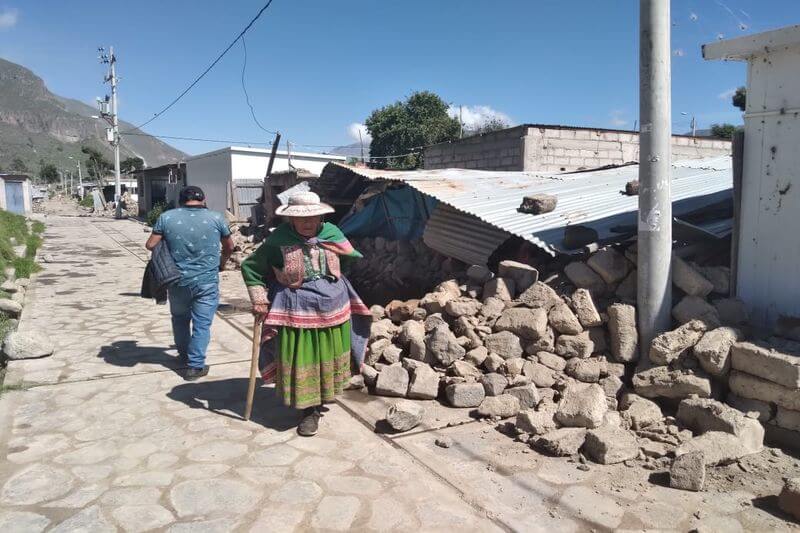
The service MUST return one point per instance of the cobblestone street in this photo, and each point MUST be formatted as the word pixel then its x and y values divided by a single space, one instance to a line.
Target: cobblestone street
pixel 106 436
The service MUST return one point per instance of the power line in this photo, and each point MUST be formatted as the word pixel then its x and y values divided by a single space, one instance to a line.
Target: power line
pixel 172 137
pixel 247 96
pixel 207 70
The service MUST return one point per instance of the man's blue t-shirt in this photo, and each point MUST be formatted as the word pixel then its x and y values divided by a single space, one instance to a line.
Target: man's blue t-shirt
pixel 193 236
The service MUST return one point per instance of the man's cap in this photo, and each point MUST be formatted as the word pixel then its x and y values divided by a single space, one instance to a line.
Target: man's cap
pixel 191 193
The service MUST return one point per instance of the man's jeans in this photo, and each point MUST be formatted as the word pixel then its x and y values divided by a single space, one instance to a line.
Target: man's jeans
pixel 193 309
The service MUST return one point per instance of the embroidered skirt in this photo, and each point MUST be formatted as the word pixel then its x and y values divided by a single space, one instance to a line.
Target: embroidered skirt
pixel 313 364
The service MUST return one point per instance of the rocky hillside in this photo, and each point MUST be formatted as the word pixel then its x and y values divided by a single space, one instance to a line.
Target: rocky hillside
pixel 37 125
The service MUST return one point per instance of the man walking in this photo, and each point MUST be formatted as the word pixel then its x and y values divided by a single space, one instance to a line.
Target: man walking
pixel 193 235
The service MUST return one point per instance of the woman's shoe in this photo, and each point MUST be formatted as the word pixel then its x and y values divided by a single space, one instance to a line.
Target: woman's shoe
pixel 310 423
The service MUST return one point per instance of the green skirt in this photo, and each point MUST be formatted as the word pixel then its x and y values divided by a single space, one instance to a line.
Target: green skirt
pixel 313 364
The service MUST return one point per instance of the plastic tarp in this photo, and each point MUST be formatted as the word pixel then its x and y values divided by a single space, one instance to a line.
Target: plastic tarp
pixel 397 214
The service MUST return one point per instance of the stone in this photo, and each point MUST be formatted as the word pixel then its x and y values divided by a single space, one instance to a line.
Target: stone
pixel 688 472
pixel 294 492
pixel 513 367
pixel 382 329
pixel 435 302
pixel 703 414
pixel 540 375
pixel 696 308
pixel 623 336
pixel 27 345
pixel 335 513
pixel 500 288
pixel 632 188
pixel 89 519
pixel 569 346
pixel 731 311
pixel 503 406
pixel 391 354
pixel 537 422
pixel 492 308
pixel 443 442
pixel 669 346
pixel 404 415
pixel 23 522
pixel 477 356
pixel 563 320
pixel 551 360
pixel 465 394
pixel 505 344
pixel 539 295
pixel 463 369
pixel 585 310
pixel 612 385
pixel 713 350
pixel 719 276
pixel 463 307
pixel 789 498
pixel 356 383
pixel 749 386
pixel 584 277
pixel 493 383
pixel 787 419
pixel 582 405
pixel 748 405
pixel 718 447
pixel 641 412
pixel 10 307
pixel 378 312
pixel 528 395
pixel 538 204
pixel 688 279
pixel 561 442
pixel 35 484
pixel 392 381
pixel 598 337
pixel 523 275
pixel 137 518
pixel 610 445
pixel 370 375
pixel 412 336
pixel 664 383
pixel 424 383
pixel 546 343
pixel 614 369
pixel 610 265
pixel 376 351
pixel 433 321
pixel 493 362
pixel 8 286
pixel 779 364
pixel 529 324
pixel 626 290
pixel 479 274
pixel 399 311
pixel 443 346
pixel 586 370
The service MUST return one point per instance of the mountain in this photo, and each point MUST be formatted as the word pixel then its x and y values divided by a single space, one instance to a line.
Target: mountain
pixel 351 150
pixel 37 126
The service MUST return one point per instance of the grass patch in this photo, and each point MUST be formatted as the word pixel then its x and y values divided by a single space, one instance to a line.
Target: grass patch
pixel 12 387
pixel 38 227
pixel 87 201
pixel 14 231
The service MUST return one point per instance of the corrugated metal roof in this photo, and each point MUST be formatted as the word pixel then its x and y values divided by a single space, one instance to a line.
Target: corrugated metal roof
pixel 592 198
pixel 248 191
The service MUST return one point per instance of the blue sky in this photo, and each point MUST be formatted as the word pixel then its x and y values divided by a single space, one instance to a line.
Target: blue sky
pixel 316 67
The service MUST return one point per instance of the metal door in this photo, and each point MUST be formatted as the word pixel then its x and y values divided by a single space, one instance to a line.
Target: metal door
pixel 15 200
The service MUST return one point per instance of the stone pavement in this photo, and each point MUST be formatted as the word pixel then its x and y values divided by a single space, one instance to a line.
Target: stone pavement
pixel 111 438
pixel 106 436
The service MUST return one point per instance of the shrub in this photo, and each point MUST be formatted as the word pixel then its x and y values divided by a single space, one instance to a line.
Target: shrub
pixel 38 227
pixel 14 228
pixel 152 215
pixel 87 201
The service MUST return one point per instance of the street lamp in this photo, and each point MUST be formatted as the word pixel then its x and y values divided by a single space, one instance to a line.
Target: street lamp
pixel 693 123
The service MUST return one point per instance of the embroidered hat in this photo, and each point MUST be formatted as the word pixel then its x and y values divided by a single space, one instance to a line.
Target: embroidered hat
pixel 304 204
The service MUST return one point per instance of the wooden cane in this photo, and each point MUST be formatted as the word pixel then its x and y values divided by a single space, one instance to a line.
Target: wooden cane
pixel 251 387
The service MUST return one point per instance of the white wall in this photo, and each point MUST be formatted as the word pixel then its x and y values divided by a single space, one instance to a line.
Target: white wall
pixel 212 173
pixel 253 165
pixel 769 241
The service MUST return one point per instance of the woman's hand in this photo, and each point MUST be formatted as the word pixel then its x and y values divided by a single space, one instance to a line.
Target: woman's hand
pixel 260 310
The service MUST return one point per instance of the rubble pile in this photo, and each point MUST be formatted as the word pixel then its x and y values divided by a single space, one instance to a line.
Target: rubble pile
pixel 244 244
pixel 562 360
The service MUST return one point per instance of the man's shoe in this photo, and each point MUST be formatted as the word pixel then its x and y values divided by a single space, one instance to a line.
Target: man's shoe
pixel 193 373
pixel 310 423
pixel 183 359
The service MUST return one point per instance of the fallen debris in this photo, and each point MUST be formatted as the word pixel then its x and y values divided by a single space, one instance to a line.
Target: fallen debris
pixel 538 204
pixel 404 415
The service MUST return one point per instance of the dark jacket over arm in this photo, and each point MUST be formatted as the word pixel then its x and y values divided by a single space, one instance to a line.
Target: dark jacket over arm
pixel 161 272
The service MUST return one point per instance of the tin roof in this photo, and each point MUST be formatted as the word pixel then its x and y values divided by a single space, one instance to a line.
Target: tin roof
pixel 589 198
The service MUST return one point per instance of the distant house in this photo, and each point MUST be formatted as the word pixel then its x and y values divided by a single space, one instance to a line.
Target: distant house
pixel 548 148
pixel 15 193
pixel 159 185
pixel 218 172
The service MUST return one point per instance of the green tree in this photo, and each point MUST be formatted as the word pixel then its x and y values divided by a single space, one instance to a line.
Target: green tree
pixel 404 127
pixel 49 173
pixel 97 165
pixel 723 131
pixel 740 98
pixel 495 124
pixel 19 165
pixel 131 164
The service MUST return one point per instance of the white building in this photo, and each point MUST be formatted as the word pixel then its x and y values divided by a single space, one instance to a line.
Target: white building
pixel 768 263
pixel 216 172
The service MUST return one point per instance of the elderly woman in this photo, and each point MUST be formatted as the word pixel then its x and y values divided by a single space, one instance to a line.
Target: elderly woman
pixel 314 322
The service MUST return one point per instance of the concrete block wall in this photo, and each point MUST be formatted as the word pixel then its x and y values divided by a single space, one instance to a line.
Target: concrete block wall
pixel 557 149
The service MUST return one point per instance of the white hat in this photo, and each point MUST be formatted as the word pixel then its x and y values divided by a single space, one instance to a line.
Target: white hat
pixel 304 204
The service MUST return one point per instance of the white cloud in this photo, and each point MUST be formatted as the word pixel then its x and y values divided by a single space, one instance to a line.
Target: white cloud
pixel 727 95
pixel 617 118
pixel 354 128
pixel 475 116
pixel 8 18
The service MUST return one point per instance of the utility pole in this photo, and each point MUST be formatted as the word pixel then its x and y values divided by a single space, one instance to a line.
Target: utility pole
pixel 654 297
pixel 361 142
pixel 111 117
pixel 80 179
pixel 694 127
pixel 460 122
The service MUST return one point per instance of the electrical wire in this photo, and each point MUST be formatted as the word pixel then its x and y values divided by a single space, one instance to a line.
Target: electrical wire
pixel 247 96
pixel 173 137
pixel 208 69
